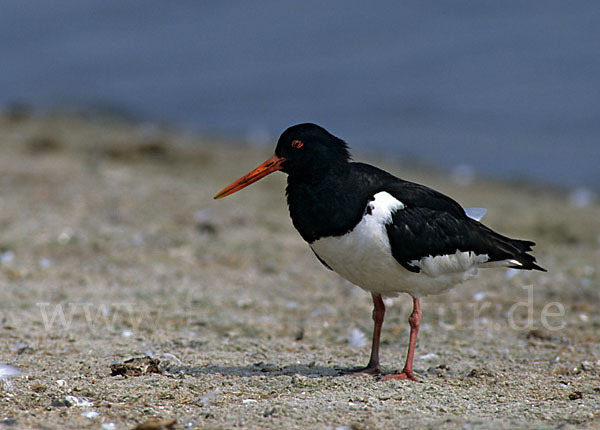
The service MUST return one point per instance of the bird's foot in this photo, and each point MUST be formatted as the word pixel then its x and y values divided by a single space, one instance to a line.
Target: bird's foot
pixel 357 371
pixel 405 374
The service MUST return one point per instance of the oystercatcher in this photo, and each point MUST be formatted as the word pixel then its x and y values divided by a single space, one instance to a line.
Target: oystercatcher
pixel 382 233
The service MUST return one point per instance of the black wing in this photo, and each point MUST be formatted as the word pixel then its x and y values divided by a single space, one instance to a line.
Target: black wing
pixel 433 224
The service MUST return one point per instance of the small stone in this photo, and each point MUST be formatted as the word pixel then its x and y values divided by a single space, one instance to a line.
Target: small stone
pixel 65 236
pixel 81 402
pixel 61 403
pixel 137 366
pixel 479 373
pixel 44 263
pixel 156 424
pixel 7 257
pixel 299 380
pixel 21 348
pixel 576 395
pixel 587 366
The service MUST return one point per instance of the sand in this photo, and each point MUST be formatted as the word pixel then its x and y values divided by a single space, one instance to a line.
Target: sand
pixel 111 248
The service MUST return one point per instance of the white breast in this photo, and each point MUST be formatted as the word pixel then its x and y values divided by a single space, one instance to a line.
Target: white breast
pixel 364 257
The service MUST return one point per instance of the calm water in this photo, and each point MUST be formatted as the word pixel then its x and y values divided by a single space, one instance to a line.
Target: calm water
pixel 509 88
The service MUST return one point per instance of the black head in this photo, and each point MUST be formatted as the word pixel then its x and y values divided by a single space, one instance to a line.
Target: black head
pixel 308 147
pixel 303 149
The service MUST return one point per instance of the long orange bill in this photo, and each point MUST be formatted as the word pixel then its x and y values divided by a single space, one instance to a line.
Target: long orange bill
pixel 271 165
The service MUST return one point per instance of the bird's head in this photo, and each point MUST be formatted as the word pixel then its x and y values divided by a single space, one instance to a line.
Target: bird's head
pixel 303 149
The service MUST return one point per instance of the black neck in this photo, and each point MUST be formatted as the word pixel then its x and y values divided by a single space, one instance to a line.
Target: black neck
pixel 330 203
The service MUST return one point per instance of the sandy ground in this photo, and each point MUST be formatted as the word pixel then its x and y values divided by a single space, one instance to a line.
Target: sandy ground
pixel 112 248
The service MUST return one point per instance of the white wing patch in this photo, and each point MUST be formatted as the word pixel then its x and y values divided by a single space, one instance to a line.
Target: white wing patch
pixel 476 213
pixel 383 207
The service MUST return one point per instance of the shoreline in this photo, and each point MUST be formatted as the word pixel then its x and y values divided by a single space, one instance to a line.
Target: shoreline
pixel 117 118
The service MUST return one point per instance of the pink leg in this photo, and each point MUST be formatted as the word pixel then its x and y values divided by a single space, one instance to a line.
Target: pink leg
pixel 414 320
pixel 373 367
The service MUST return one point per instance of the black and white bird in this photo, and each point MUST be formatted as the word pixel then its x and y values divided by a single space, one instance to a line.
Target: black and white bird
pixel 383 234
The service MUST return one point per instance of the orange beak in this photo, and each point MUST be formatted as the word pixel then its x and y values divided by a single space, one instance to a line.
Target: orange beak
pixel 271 165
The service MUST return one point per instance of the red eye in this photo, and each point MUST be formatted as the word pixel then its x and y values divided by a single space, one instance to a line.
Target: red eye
pixel 297 144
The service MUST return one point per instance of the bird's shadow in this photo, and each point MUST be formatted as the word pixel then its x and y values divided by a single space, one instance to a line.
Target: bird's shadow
pixel 259 369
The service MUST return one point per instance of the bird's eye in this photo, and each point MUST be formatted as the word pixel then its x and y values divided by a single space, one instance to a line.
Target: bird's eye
pixel 297 144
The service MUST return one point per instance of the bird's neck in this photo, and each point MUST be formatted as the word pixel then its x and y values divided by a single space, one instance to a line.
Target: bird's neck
pixel 325 204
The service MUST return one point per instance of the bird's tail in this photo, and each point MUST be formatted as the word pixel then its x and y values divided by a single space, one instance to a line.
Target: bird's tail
pixel 513 251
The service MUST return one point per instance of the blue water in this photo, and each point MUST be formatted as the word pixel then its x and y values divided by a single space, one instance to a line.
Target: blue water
pixel 511 88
